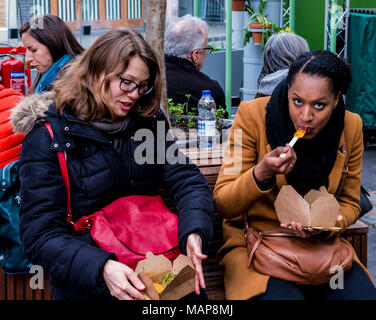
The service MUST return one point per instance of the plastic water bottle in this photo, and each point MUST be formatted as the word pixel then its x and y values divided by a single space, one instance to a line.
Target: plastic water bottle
pixel 206 121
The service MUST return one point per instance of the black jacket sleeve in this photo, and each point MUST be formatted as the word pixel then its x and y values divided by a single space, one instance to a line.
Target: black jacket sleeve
pixel 46 236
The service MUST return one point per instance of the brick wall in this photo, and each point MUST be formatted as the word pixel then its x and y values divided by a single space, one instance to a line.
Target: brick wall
pixel 3 14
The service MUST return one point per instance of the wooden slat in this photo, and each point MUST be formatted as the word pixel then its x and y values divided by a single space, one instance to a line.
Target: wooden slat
pixel 211 180
pixel 357 245
pixel 47 292
pixel 29 294
pixel 205 158
pixel 207 170
pixel 213 279
pixel 11 287
pixel 364 249
pixel 3 286
pixel 38 294
pixel 357 227
pixel 20 287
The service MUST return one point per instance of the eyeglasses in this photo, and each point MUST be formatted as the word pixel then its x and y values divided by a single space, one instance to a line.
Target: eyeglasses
pixel 127 85
pixel 208 49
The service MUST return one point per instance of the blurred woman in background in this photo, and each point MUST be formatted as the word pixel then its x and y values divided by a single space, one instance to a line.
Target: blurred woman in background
pixel 50 45
pixel 280 52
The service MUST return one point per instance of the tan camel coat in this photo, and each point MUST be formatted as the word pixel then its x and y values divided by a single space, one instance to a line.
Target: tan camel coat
pixel 236 191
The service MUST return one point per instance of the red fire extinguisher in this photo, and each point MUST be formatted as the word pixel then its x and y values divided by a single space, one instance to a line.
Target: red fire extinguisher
pixel 13 74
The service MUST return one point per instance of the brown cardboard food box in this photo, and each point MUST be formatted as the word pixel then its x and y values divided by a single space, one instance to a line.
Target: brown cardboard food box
pixel 155 267
pixel 318 209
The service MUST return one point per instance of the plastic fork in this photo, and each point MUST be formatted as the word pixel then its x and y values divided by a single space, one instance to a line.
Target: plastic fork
pixel 298 134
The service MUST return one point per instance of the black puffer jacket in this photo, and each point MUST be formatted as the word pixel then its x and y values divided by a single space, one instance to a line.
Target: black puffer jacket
pixel 98 175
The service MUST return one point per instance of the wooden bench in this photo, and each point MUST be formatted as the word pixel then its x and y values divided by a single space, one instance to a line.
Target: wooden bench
pixel 16 287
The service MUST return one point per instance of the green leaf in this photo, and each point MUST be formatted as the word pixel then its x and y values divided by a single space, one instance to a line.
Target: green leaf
pixel 247 36
pixel 254 17
pixel 249 9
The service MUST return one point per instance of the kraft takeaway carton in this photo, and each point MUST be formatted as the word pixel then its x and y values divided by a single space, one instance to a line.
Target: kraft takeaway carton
pixel 156 267
pixel 318 209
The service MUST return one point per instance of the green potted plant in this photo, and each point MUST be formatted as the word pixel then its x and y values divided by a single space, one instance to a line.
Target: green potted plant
pixel 259 21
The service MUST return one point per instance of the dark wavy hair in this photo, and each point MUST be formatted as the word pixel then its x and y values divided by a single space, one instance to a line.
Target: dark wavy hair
pixel 52 32
pixel 324 64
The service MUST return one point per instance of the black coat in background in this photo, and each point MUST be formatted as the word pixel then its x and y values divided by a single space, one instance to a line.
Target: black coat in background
pixel 183 78
pixel 98 175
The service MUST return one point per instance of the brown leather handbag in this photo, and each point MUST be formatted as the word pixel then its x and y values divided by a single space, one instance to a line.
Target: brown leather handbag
pixel 279 253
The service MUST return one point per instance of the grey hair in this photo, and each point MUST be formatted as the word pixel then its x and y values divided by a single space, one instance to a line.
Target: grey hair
pixel 184 36
pixel 280 51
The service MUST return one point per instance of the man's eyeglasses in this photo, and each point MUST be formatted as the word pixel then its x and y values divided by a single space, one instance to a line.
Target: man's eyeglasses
pixel 127 85
pixel 208 49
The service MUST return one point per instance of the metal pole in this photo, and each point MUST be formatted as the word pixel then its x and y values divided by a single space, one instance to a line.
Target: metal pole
pixel 333 26
pixel 196 8
pixel 326 28
pixel 292 15
pixel 346 27
pixel 228 57
pixel 81 31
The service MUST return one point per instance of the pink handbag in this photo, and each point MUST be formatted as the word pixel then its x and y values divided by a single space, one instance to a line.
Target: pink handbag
pixel 130 226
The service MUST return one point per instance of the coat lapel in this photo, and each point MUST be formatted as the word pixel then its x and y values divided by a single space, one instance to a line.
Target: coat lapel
pixel 336 173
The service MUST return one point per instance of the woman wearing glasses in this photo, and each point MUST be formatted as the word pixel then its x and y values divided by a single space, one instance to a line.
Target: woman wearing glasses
pixel 108 99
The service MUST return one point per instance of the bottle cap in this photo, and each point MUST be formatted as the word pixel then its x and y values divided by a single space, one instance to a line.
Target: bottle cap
pixel 206 92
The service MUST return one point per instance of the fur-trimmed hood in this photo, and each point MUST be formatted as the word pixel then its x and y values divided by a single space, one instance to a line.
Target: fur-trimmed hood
pixel 30 111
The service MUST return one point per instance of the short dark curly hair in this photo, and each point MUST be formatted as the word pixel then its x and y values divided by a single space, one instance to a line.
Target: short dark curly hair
pixel 325 64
